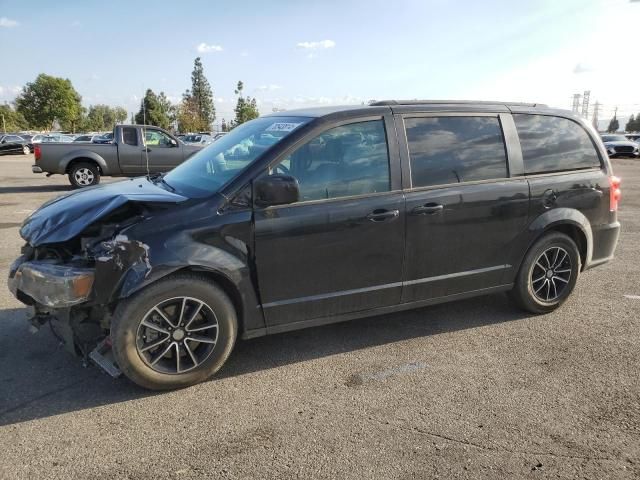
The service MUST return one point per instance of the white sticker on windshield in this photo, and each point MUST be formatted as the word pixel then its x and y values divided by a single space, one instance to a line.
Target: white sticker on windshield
pixel 282 127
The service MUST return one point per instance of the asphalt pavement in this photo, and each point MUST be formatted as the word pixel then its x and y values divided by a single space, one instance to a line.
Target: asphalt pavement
pixel 474 389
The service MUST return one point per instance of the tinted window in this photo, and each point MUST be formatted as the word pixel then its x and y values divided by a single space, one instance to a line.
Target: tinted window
pixel 551 144
pixel 455 149
pixel 130 136
pixel 343 161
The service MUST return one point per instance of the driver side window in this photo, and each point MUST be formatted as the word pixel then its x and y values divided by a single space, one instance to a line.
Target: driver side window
pixel 344 161
pixel 156 138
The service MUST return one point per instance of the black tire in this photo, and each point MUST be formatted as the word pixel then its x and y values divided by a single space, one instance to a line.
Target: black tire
pixel 128 343
pixel 538 291
pixel 84 174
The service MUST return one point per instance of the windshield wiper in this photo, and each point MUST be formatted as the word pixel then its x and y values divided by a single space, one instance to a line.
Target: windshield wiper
pixel 160 176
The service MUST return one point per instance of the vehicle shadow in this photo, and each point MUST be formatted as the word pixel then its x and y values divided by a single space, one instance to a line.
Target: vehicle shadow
pixel 38 378
pixel 36 188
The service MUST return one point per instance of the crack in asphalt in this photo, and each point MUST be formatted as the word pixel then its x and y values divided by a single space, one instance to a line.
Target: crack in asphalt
pixel 497 447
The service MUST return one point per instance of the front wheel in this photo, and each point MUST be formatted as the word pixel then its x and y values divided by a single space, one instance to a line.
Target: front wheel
pixel 548 274
pixel 26 150
pixel 84 174
pixel 175 333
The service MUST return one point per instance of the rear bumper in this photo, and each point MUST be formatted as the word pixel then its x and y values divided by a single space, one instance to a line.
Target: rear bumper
pixel 605 239
pixel 36 169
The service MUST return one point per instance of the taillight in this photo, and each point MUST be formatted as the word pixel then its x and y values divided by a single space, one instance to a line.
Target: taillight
pixel 614 193
pixel 37 152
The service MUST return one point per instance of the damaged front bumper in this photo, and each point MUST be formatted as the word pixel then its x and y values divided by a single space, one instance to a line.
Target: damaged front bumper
pixel 50 284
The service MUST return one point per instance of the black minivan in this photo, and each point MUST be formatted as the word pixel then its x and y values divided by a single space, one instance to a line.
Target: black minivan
pixel 308 217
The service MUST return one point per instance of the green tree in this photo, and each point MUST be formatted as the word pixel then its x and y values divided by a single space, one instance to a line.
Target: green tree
pixel 10 120
pixel 630 126
pixel 614 125
pixel 187 116
pixel 120 114
pixel 48 99
pixel 152 112
pixel 246 107
pixel 200 97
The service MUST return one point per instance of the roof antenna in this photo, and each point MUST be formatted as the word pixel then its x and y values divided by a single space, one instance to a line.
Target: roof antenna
pixel 144 137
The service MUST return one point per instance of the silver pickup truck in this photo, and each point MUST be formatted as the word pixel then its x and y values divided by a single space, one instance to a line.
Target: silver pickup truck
pixel 127 155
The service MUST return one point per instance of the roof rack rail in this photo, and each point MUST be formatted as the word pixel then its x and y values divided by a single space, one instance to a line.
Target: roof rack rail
pixel 383 103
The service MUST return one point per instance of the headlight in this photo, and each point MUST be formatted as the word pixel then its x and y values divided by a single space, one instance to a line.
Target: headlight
pixel 55 286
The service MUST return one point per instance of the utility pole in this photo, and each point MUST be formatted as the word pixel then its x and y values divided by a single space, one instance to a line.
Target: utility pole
pixel 585 103
pixel 576 102
pixel 596 112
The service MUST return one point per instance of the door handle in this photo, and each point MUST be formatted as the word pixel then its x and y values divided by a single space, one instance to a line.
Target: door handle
pixel 380 215
pixel 428 209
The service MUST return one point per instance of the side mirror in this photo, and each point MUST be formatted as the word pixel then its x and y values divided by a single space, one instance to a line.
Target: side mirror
pixel 173 143
pixel 276 190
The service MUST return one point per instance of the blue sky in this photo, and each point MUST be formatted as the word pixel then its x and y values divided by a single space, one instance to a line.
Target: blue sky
pixel 299 53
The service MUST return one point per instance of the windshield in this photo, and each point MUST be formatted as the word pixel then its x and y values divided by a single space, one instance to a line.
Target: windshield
pixel 614 138
pixel 213 166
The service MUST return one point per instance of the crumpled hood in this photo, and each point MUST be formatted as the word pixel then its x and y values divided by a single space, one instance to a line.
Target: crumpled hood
pixel 66 216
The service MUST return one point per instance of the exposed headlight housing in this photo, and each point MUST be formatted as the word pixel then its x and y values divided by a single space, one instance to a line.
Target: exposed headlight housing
pixel 53 285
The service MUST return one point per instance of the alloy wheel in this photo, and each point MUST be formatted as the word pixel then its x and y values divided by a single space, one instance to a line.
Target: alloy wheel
pixel 84 176
pixel 177 335
pixel 551 274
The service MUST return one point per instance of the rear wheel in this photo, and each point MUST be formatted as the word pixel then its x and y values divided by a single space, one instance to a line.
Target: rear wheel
pixel 84 174
pixel 26 150
pixel 175 333
pixel 548 274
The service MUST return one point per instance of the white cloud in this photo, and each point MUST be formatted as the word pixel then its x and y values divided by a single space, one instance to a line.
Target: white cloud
pixel 205 48
pixel 9 93
pixel 8 23
pixel 316 45
pixel 583 68
pixel 269 88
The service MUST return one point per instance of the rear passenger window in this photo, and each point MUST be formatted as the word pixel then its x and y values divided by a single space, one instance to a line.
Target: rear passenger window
pixel 446 150
pixel 552 144
pixel 130 136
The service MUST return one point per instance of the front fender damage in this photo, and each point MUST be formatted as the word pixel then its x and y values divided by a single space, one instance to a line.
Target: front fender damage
pixel 120 264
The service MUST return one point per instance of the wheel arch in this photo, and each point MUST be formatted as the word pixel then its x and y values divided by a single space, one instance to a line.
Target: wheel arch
pixel 85 156
pixel 131 283
pixel 569 221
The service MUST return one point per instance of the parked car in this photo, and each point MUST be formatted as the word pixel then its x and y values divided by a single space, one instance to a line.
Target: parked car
pixel 620 146
pixel 634 137
pixel 351 212
pixel 85 138
pixel 37 138
pixel 106 138
pixel 56 138
pixel 12 144
pixel 127 156
pixel 198 139
pixel 219 135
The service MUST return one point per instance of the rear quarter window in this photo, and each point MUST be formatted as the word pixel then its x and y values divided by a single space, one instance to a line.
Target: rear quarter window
pixel 554 144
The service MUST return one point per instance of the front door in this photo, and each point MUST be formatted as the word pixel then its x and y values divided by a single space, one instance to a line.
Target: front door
pixel 162 151
pixel 464 211
pixel 340 248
